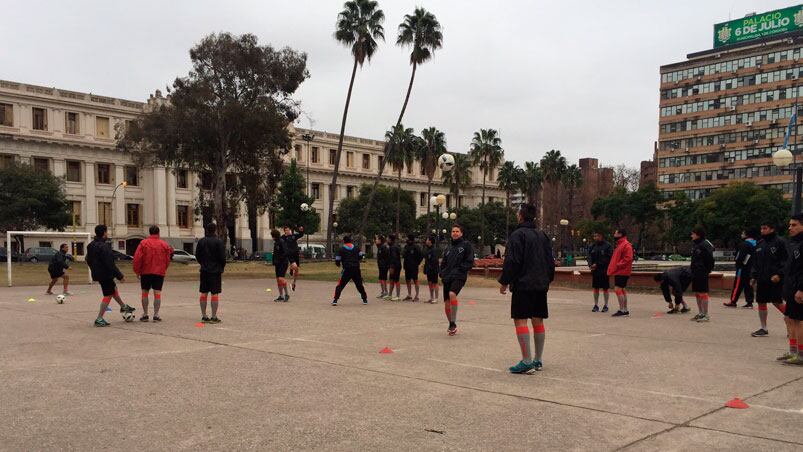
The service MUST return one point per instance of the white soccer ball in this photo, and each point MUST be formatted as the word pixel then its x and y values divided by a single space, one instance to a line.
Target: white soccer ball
pixel 304 207
pixel 128 316
pixel 60 298
pixel 446 162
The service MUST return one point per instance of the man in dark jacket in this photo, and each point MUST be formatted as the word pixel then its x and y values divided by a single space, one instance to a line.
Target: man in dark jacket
pixel 383 264
pixel 528 270
pixel 431 265
pixel 394 269
pixel 211 255
pixel 293 254
pixel 412 262
pixel 675 280
pixel 702 263
pixel 744 265
pixel 348 258
pixel 100 259
pixel 599 257
pixel 793 289
pixel 281 261
pixel 767 275
pixel 455 265
pixel 59 264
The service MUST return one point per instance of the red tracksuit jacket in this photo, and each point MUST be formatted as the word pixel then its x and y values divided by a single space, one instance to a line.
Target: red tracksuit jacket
pixel 152 256
pixel 622 260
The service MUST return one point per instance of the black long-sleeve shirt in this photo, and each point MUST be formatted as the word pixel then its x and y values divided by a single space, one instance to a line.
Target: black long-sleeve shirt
pixel 100 258
pixel 349 256
pixel 769 259
pixel 457 261
pixel 529 263
pixel 676 279
pixel 395 256
pixel 412 256
pixel 600 254
pixel 211 254
pixel 702 258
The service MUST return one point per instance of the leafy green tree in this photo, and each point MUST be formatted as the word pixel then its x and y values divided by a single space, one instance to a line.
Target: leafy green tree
pixel 289 199
pixel 471 219
pixel 359 26
pixel 553 165
pixel 572 180
pixel 642 207
pixel 402 145
pixel 434 146
pixel 510 180
pixel 613 207
pixel 459 178
pixel 532 181
pixel 31 199
pixel 487 153
pixel 228 116
pixel 382 215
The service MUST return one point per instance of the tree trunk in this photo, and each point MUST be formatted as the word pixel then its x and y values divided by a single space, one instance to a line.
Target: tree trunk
pixel 507 218
pixel 221 212
pixel 429 205
pixel 333 186
pixel 367 207
pixel 482 214
pixel 252 225
pixel 398 204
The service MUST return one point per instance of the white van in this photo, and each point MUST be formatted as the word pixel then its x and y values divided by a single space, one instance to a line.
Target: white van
pixel 312 251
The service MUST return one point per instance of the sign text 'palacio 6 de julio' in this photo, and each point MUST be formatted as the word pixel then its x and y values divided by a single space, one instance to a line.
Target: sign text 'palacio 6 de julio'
pixel 759 26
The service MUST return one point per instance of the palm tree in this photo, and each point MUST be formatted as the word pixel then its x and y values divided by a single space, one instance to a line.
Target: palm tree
pixel 486 152
pixel 510 180
pixel 532 182
pixel 422 31
pixel 553 165
pixel 400 151
pixel 434 146
pixel 359 26
pixel 459 177
pixel 572 180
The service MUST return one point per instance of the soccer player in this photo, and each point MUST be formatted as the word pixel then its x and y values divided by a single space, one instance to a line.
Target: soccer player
pixel 599 256
pixel 621 267
pixel 348 257
pixel 431 265
pixel 793 287
pixel 394 269
pixel 281 262
pixel 702 263
pixel 744 264
pixel 151 260
pixel 211 255
pixel 100 259
pixel 293 255
pixel 59 265
pixel 412 262
pixel 767 276
pixel 675 281
pixel 528 269
pixel 455 265
pixel 383 264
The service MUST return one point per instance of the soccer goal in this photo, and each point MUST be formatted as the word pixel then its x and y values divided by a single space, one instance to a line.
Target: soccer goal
pixel 77 247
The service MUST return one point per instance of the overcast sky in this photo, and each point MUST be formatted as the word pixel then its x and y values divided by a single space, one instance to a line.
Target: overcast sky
pixel 581 77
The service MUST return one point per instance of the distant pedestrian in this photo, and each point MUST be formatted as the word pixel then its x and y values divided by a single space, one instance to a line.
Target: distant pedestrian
pixel 211 255
pixel 394 271
pixel 528 270
pixel 793 287
pixel 599 257
pixel 151 260
pixel 281 262
pixel 383 264
pixel 456 263
pixel 348 257
pixel 621 267
pixel 767 277
pixel 293 253
pixel 431 265
pixel 675 281
pixel 744 265
pixel 411 262
pixel 58 268
pixel 702 263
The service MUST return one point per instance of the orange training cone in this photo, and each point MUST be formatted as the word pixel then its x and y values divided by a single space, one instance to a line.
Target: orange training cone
pixel 737 403
pixel 386 351
pixel 199 325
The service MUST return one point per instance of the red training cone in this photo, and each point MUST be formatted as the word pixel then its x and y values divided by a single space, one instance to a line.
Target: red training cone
pixel 199 325
pixel 737 403
pixel 472 302
pixel 658 315
pixel 386 351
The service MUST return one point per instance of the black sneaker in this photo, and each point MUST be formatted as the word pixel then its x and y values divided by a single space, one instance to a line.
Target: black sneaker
pixel 334 302
pixel 684 310
pixel 617 314
pixel 729 305
pixel 364 301
pixel 748 306
pixel 595 308
pixel 214 320
pixel 127 308
pixel 761 332
pixel 286 298
pixel 145 318
pixel 156 318
pixel 605 309
pixel 205 319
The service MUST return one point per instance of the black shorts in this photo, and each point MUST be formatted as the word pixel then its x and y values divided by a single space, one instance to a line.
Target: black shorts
pixel 620 281
pixel 281 268
pixel 769 292
pixel 56 273
pixel 452 286
pixel 528 304
pixel 211 283
pixel 794 310
pixel 432 277
pixel 383 273
pixel 393 274
pixel 699 284
pixel 411 274
pixel 108 287
pixel 148 282
pixel 600 280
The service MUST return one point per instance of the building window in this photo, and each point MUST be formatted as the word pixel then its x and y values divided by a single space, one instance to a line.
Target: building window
pixel 350 159
pixel 41 165
pixel 6 115
pixel 132 215
pixel 71 123
pixel 132 176
pixel 183 216
pixel 366 161
pixel 6 160
pixel 314 154
pixel 105 213
pixel 422 199
pixel 299 155
pixel 104 171
pixel 332 156
pixel 39 118
pixel 101 127
pixel 316 191
pixel 73 171
pixel 206 181
pixel 76 213
pixel 182 177
pixel 350 191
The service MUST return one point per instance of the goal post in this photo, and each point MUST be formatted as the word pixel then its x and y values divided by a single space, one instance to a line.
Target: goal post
pixel 87 237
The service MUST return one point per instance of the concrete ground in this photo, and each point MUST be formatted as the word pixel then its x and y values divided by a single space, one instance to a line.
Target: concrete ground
pixel 304 375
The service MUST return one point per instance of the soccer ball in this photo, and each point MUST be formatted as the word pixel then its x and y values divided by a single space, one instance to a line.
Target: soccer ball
pixel 446 162
pixel 128 316
pixel 60 298
pixel 304 207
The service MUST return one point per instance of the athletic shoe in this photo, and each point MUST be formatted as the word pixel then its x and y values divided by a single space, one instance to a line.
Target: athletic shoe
pixel 673 311
pixel 433 301
pixel 416 299
pixel 538 365
pixel 286 298
pixel 619 313
pixel 395 299
pixel 386 298
pixel 605 309
pixel 595 308
pixel 127 308
pixel 48 293
pixel 205 319
pixel 748 306
pixel 381 296
pixel 293 286
pixel 145 318
pixel 364 301
pixel 730 305
pixel 408 298
pixel 452 330
pixel 784 357
pixel 156 318
pixel 684 310
pixel 278 299
pixel 521 368
pixel 761 332
pixel 795 360
pixel 703 318
pixel 696 317
pixel 215 320
pixel 101 322
pixel 334 302
pixel 67 292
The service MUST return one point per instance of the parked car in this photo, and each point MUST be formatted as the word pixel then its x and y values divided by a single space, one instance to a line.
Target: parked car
pixel 15 256
pixel 182 256
pixel 312 251
pixel 38 254
pixel 118 256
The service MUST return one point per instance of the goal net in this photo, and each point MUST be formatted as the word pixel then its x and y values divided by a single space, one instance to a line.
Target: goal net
pixel 39 247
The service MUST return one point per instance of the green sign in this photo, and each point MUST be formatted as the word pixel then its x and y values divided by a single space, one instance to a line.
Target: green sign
pixel 759 26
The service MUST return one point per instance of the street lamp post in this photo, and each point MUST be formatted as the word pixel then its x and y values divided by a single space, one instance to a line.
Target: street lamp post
pixel 784 157
pixel 123 184
pixel 564 223
pixel 308 137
